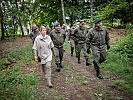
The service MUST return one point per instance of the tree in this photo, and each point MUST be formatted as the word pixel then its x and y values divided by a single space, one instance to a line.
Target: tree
pixel 63 12
pixel 2 23
pixel 91 8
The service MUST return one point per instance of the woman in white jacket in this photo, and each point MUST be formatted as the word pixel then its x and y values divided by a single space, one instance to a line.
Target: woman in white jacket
pixel 43 47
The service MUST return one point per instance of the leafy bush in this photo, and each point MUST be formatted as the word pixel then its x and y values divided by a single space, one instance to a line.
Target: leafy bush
pixel 125 46
pixel 15 85
pixel 2 65
pixel 120 61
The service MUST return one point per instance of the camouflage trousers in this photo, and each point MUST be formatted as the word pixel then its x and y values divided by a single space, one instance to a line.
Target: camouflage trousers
pixel 81 46
pixel 72 43
pixel 99 56
pixel 58 52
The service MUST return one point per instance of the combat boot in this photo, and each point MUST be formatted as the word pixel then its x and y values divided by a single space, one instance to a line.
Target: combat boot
pixel 58 67
pixel 87 62
pixel 61 66
pixel 72 48
pixel 98 74
pixel 79 59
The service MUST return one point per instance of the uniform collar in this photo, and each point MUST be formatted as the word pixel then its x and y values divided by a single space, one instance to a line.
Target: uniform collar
pixel 56 31
pixel 98 28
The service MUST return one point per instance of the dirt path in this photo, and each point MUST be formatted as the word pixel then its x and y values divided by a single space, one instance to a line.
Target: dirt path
pixel 75 81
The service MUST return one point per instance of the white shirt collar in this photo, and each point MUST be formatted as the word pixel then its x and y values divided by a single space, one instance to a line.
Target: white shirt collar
pixel 41 37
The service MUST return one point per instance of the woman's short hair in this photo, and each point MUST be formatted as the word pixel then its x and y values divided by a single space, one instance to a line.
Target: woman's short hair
pixel 42 27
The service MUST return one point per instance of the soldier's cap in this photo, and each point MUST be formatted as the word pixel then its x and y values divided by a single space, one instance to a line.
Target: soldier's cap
pixel 97 20
pixel 56 24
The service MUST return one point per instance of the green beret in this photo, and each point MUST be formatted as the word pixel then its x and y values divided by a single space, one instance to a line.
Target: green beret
pixel 56 24
pixel 97 20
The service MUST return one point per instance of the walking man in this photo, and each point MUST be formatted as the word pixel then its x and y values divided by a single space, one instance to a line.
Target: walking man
pixel 98 39
pixel 58 37
pixel 71 38
pixel 34 33
pixel 80 41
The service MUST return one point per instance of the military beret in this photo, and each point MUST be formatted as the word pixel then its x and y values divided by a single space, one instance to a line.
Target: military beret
pixel 97 20
pixel 56 24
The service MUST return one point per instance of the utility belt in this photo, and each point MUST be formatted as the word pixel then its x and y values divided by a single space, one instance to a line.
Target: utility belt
pixel 97 44
pixel 81 42
pixel 58 46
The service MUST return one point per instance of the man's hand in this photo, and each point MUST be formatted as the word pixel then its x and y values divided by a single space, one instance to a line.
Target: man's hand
pixel 36 59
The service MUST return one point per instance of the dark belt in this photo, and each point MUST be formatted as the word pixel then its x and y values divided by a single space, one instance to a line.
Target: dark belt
pixel 58 46
pixel 81 42
pixel 98 44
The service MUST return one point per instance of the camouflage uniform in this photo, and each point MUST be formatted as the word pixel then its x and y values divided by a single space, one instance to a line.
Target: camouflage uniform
pixel 71 38
pixel 80 41
pixel 97 39
pixel 58 38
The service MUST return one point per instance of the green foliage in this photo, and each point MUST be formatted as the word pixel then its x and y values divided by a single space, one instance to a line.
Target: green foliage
pixel 116 9
pixel 23 55
pixel 2 65
pixel 124 85
pixel 13 83
pixel 125 47
pixel 120 61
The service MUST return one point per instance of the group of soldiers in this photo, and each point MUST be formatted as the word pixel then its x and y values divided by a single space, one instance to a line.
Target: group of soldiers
pixel 96 39
pixel 80 37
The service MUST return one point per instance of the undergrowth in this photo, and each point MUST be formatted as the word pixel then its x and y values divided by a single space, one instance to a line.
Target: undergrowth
pixel 120 61
pixel 14 85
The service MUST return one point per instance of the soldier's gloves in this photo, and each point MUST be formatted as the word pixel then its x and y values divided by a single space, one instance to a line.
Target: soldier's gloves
pixel 36 58
pixel 108 47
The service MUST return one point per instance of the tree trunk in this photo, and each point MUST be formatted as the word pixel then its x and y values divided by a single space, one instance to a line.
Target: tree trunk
pixel 2 24
pixel 20 24
pixel 91 8
pixel 21 27
pixel 63 12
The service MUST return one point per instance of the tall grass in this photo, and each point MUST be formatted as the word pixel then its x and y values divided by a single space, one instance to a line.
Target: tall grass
pixel 120 61
pixel 14 85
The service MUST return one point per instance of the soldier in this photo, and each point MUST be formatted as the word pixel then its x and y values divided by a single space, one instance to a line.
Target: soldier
pixel 98 38
pixel 42 50
pixel 58 36
pixel 71 38
pixel 80 41
pixel 64 27
pixel 34 33
pixel 48 30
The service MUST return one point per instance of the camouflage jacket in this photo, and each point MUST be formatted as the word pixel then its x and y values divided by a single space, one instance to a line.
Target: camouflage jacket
pixel 98 36
pixel 58 37
pixel 80 35
pixel 71 33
